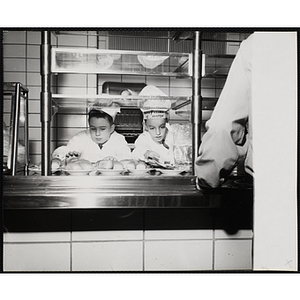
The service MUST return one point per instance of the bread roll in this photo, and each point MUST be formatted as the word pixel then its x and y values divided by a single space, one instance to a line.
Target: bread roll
pixel 78 164
pixel 73 166
pixel 132 163
pixel 124 162
pixel 85 165
pixel 141 166
pixel 118 166
pixel 130 166
pixel 105 164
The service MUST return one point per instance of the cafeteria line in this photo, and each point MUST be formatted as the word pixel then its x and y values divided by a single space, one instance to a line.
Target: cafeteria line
pixel 113 164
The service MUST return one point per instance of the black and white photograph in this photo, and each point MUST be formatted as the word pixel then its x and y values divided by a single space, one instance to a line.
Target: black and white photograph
pixel 149 150
pixel 132 150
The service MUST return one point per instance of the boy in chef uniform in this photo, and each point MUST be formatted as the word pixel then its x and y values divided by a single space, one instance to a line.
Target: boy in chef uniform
pixel 156 142
pixel 98 142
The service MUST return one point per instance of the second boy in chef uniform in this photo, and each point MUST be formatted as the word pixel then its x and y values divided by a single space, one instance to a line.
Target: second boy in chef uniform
pixel 156 142
pixel 99 141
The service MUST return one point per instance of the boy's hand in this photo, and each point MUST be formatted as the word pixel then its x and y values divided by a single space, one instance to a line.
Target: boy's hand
pixel 151 156
pixel 72 154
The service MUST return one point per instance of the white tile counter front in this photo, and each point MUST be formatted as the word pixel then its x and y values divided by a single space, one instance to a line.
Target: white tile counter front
pixel 178 250
pixel 107 250
pixel 180 255
pixel 233 252
pixel 125 250
pixel 233 255
pixel 36 252
pixel 107 256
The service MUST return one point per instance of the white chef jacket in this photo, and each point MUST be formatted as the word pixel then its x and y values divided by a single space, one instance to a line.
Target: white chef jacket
pixel 144 142
pixel 229 133
pixel 116 146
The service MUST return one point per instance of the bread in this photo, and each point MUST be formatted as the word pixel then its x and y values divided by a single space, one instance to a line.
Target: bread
pixel 128 163
pixel 141 165
pixel 118 166
pixel 78 164
pixel 85 165
pixel 130 166
pixel 73 166
pixel 105 164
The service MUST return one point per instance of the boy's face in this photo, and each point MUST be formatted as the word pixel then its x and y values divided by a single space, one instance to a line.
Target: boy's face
pixel 157 129
pixel 100 130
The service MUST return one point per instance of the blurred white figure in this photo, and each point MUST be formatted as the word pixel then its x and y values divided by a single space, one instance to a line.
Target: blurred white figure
pixel 21 148
pixel 229 134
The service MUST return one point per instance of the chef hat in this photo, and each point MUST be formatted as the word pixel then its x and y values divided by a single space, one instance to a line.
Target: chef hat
pixel 111 110
pixel 155 108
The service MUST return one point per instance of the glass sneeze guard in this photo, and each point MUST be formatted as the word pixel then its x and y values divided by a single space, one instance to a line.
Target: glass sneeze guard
pixel 82 60
pixel 17 154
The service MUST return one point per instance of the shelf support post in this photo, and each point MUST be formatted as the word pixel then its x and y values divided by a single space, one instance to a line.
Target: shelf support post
pixel 196 98
pixel 16 103
pixel 46 103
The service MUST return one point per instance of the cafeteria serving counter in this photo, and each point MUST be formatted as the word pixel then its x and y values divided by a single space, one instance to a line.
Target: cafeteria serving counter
pixel 38 192
pixel 32 203
pixel 123 223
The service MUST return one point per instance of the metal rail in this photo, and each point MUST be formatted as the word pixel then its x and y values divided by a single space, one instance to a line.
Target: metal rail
pixel 67 192
pixel 17 91
pixel 196 98
pixel 46 103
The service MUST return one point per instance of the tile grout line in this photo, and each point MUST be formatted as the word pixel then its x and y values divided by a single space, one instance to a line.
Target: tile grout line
pixel 143 239
pixel 105 241
pixel 26 58
pixel 213 250
pixel 71 254
pixel 71 241
pixel 37 242
pixel 143 250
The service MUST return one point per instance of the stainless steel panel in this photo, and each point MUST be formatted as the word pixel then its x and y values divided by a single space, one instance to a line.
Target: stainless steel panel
pixel 38 192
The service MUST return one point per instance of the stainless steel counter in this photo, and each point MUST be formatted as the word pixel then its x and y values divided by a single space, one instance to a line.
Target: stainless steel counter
pixel 32 203
pixel 72 192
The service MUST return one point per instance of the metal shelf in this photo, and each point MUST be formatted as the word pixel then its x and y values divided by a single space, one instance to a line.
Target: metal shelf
pixel 216 66
pixel 67 100
pixel 96 61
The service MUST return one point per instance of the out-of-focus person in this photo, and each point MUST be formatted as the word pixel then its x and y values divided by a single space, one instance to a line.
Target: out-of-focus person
pixel 228 139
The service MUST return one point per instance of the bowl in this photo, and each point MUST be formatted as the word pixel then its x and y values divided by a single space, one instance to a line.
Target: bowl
pixel 139 172
pixel 77 172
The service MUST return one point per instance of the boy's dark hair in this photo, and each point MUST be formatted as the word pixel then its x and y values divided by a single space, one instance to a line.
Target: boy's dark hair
pixel 100 114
